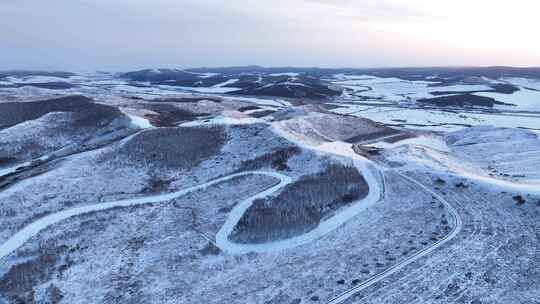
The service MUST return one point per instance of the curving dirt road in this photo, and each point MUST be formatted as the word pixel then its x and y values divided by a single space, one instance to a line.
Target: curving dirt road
pixel 374 195
pixel 30 231
pixel 458 224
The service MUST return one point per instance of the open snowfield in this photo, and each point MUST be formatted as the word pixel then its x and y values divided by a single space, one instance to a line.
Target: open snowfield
pixel 525 100
pixel 439 119
pixel 394 101
pixel 395 89
pixel 139 192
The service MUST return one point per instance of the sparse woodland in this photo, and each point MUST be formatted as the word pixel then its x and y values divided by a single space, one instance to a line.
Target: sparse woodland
pixel 301 206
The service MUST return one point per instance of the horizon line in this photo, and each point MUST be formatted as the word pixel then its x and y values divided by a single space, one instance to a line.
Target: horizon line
pixel 283 67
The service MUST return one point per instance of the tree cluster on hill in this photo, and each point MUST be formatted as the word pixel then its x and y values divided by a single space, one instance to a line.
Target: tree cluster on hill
pixel 86 112
pixel 276 159
pixel 178 148
pixel 72 120
pixel 301 206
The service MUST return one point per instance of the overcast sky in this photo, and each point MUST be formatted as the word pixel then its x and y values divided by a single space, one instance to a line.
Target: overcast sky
pixel 128 34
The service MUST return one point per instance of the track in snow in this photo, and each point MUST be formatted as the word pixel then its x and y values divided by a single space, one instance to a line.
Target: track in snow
pixel 374 195
pixel 395 268
pixel 33 229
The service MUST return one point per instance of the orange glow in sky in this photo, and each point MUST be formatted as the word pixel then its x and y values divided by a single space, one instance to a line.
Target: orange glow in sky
pixel 125 34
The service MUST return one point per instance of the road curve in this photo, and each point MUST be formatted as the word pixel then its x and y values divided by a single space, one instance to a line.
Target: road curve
pixel 395 268
pixel 28 232
pixel 368 171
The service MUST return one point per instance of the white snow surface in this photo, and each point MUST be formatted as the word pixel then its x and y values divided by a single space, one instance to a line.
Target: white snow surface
pixel 365 167
pixel 471 171
pixel 291 74
pixel 222 120
pixel 9 170
pixel 31 230
pixel 215 90
pixel 36 79
pixel 524 82
pixel 140 122
pixel 228 82
pixel 524 99
pixel 395 89
pixel 432 142
pixel 439 120
pixel 262 101
pixel 416 156
pixel 207 75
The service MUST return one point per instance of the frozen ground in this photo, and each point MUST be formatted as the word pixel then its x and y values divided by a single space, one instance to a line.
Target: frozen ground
pixel 387 99
pixel 394 89
pixel 505 153
pixel 133 243
pixel 163 182
pixel 492 260
pixel 394 101
pixel 438 119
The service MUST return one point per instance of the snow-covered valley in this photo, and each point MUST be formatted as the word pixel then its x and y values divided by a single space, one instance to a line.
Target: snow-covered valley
pixel 269 186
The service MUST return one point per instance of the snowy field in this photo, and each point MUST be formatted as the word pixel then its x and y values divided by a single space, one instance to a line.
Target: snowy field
pixel 393 101
pixel 394 89
pixel 439 120
pixel 197 196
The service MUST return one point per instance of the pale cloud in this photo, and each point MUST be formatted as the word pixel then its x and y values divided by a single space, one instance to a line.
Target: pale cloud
pixel 379 10
pixel 125 34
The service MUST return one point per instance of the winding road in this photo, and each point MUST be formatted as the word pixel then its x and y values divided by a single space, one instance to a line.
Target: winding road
pixel 325 227
pixel 222 241
pixel 33 229
pixel 458 224
pixel 346 150
pixel 366 167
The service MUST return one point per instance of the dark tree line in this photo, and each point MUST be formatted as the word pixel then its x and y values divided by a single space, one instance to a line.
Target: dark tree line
pixel 276 159
pixel 301 206
pixel 169 148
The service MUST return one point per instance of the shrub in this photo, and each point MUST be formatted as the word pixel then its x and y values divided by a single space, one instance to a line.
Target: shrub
pixel 54 294
pixel 440 181
pixel 519 199
pixel 18 283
